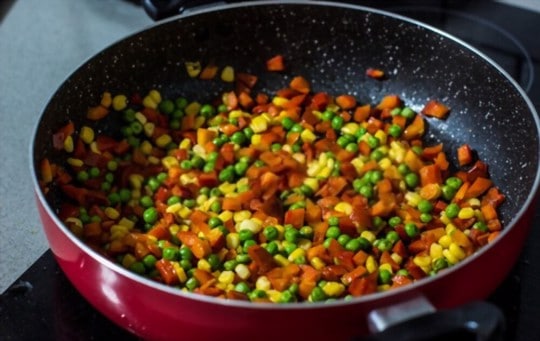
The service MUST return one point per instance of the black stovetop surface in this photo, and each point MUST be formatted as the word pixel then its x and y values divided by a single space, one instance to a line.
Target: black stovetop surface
pixel 43 305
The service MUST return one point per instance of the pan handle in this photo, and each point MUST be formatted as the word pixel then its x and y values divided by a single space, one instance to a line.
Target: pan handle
pixel 162 9
pixel 479 321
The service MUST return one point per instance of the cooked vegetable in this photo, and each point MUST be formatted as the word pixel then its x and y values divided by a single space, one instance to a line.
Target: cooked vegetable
pixel 298 197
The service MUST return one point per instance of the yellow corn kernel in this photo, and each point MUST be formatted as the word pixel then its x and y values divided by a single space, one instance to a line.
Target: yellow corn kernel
pixel 256 139
pixel 193 108
pixel 169 162
pixel 174 229
pixel 396 257
pixel 370 236
pixel 263 283
pixel 456 251
pixel 304 243
pixel 371 264
pixel 281 260
pixel 140 117
pixel 94 148
pixel 146 147
pixel 226 215
pixel 298 252
pixel 325 172
pixel 383 287
pixel 184 212
pixel 128 260
pixel 259 124
pixel 240 216
pixel 300 157
pixel 450 228
pixel 180 273
pixel 118 231
pixel 111 213
pixel 174 208
pixel 227 74
pixel 232 240
pixel 242 271
pixel 397 151
pixel 201 199
pixel 163 140
pixel 412 198
pixel 381 135
pixel 253 225
pixel 193 68
pixel 422 261
pixel 87 134
pixel 307 136
pixel 444 219
pixel 148 128
pixel 149 102
pixel 68 144
pixel 106 99
pixel 450 257
pixel 74 221
pixel 314 167
pixel 435 251
pixel 227 188
pixel 188 178
pixel 312 183
pixel 226 277
pixel 279 101
pixel 317 263
pixel 273 295
pixel 185 144
pixel 474 202
pixel 343 207
pixel 466 213
pixel 287 148
pixel 129 224
pixel 203 264
pixel 119 102
pixel 358 164
pixel 136 180
pixel 153 160
pixel 350 128
pixel 385 163
pixel 155 96
pixel 387 267
pixel 75 162
pixel 333 289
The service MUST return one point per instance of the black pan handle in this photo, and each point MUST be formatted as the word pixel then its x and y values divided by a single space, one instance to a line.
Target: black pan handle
pixel 478 321
pixel 161 9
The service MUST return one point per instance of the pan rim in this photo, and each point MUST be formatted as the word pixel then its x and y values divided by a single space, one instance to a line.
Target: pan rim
pixel 411 288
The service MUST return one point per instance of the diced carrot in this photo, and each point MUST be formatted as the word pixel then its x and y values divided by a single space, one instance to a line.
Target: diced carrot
pixel 209 72
pixel 97 113
pixel 46 171
pixel 464 155
pixel 435 108
pixel 246 79
pixel 320 100
pixel 346 102
pixel 245 100
pixel 460 194
pixel 477 188
pixel 430 174
pixel 300 84
pixel 415 129
pixel 375 73
pixel 167 272
pixel 275 63
pixel 389 102
pixel 361 113
pixel 264 260
pixel 231 204
pixel 363 285
pixel 295 217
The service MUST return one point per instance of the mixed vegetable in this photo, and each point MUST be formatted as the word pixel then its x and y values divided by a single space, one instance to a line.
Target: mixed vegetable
pixel 297 197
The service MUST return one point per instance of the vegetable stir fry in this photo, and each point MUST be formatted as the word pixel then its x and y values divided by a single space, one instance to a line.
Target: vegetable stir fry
pixel 302 196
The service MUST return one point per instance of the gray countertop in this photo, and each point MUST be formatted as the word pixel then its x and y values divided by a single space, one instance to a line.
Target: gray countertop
pixel 41 43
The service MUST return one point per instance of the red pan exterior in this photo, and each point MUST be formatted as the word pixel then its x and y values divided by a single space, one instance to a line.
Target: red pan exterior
pixel 153 311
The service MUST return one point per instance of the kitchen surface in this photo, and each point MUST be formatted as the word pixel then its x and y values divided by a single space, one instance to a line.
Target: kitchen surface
pixel 42 42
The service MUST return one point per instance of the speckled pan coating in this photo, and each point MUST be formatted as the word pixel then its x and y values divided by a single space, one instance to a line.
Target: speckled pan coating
pixel 332 47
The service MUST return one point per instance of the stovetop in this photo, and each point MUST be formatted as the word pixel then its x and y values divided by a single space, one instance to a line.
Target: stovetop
pixel 43 305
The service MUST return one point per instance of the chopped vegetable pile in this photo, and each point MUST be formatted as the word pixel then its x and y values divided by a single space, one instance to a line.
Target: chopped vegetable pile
pixel 302 196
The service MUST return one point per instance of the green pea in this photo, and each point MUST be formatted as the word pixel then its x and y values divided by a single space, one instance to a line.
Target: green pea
pixel 352 148
pixel 306 190
pixel 377 222
pixel 439 264
pixel 154 184
pixel 366 191
pixel 333 221
pixel 287 123
pixel 227 174
pixel 149 261
pixel 286 297
pixel 105 186
pixel 257 293
pixel 174 199
pixel 94 172
pixel 136 127
pixel 452 210
pixel 170 253
pixel 480 225
pixel 186 164
pixel 425 206
pixel 192 283
pixel 272 247
pixel 114 198
pixel 185 264
pixel 185 253
pixel 289 247
pixel 395 111
pixel 359 133
pixel 392 236
pixel 403 272
pixel 411 180
pixel 291 235
pixel 146 201
pixel 112 165
pixel 364 243
pixel 209 167
pixel 297 128
pixel 337 122
pixel 248 132
pixel 241 168
pixel 317 294
pixel 327 115
pixel 137 267
pixel 376 155
pixel 270 233
pixel 214 222
pixel 190 203
pixel 82 176
pixel 166 106
pixel 215 206
pixel 454 182
pixel 407 113
pixel 243 258
pixel 275 147
pixel 394 221
pixel 343 239
pixel 411 230
pixel 214 261
pixel 385 276
pixel 242 287
pixel 384 245
pixel 230 264
pixel 376 176
pixel 181 102
pixel 128 115
pixel 353 245
pixel 395 130
pixel 306 232
pixel 342 141
pixel 197 162
pixel 245 235
pixel 403 169
pixel 333 232
pixel 425 217
pixel 372 141
pixel 239 138
pixel 125 195
pixel 207 110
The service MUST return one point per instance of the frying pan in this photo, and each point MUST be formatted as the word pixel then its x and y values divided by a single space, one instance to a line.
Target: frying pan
pixel 331 45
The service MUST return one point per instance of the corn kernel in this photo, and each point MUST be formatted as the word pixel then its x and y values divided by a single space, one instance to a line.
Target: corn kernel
pixel 333 289
pixel 153 160
pixel 128 260
pixel 281 260
pixel 325 172
pixel 240 216
pixel 242 271
pixel 94 147
pixel 169 162
pixel 350 128
pixel 163 140
pixel 225 216
pixel 317 263
pixel 474 202
pixel 259 124
pixel 343 207
pixel 312 183
pixel 299 252
pixel 74 221
pixel 450 257
pixel 385 163
pixel 193 108
pixel 450 228
pixel 129 224
pixel 263 283
pixel 383 287
pixel 412 198
pixel 422 261
pixel 203 264
pixel 435 251
pixel 307 136
pixel 149 128
pixel 174 208
pixel 119 102
pixel 75 162
pixel 273 295
pixel 226 277
pixel 280 101
pixel 466 213
pixel 136 180
pixel 456 251
pixel 300 157
pixel 155 95
pixel 396 258
pixel 87 134
pixel 232 240
pixel 193 68
pixel 227 188
pixel 174 229
pixel 387 267
pixel 358 164
pixel 68 144
pixel 146 147
pixel 180 273
pixel 111 213
pixel 118 231
pixel 106 99
pixel 445 241
pixel 444 218
pixel 149 102
pixel 227 74
pixel 184 212
pixel 381 135
pixel 370 236
pixel 201 199
pixel 371 264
